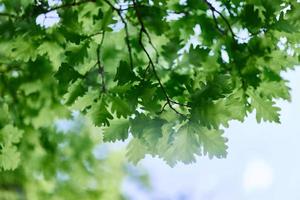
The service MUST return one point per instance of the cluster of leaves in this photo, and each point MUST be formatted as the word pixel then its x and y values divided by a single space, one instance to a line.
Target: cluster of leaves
pixel 138 67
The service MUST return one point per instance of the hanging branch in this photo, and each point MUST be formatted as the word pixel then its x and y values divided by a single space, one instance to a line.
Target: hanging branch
pixel 146 70
pixel 68 5
pixel 100 65
pixel 46 10
pixel 119 12
pixel 151 63
pixel 145 31
pixel 214 10
pixel 217 24
pixel 7 15
pixel 95 34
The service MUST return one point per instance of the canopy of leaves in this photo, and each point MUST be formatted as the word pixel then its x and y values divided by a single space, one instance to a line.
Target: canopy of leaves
pixel 170 73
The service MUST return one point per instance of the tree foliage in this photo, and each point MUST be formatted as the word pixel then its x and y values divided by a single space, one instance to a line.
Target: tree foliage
pixel 170 73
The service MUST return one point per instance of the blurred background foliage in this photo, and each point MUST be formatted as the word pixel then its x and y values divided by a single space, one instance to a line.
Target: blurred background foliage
pixel 69 161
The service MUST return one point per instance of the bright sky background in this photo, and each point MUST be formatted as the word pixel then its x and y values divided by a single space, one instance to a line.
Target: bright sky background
pixel 262 163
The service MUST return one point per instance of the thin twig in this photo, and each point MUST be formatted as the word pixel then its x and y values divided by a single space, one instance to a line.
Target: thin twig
pixel 124 9
pixel 163 108
pixel 214 10
pixel 68 5
pixel 181 104
pixel 44 11
pixel 100 66
pixel 152 45
pixel 217 24
pixel 95 34
pixel 8 15
pixel 146 70
pixel 119 12
pixel 144 31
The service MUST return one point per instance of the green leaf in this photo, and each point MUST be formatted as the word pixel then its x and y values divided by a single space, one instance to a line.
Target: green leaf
pixel 214 114
pixel 5 114
pixel 151 133
pixel 66 74
pixel 184 146
pixel 137 125
pixel 9 157
pixel 118 130
pixel 274 89
pixel 23 50
pixel 165 141
pixel 99 113
pixel 149 94
pixel 170 50
pixel 124 73
pixel 213 143
pixel 265 109
pixel 31 87
pixel 286 25
pixel 136 151
pixel 196 56
pixel 10 135
pixel 220 112
pixel 75 90
pixel 107 19
pixel 85 101
pixel 143 126
pixel 54 52
pixel 121 107
pixel 77 53
pixel 153 17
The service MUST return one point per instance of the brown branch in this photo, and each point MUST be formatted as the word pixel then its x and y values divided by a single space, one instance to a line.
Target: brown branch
pixel 124 9
pixel 217 24
pixel 68 5
pixel 146 70
pixel 7 15
pixel 144 31
pixel 214 10
pixel 152 45
pixel 100 66
pixel 95 34
pixel 181 104
pixel 119 12
pixel 45 10
pixel 163 108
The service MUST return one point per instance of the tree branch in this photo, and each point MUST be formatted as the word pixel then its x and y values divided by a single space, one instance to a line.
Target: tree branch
pixel 95 34
pixel 214 10
pixel 144 31
pixel 100 66
pixel 68 5
pixel 7 15
pixel 217 24
pixel 146 70
pixel 119 12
